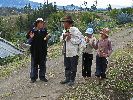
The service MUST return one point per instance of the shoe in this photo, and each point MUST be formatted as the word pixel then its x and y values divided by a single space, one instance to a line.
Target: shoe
pixel 44 80
pixel 98 80
pixel 85 78
pixel 71 83
pixel 64 82
pixel 32 81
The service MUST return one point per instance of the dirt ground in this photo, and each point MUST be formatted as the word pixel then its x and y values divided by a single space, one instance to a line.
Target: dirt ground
pixel 18 86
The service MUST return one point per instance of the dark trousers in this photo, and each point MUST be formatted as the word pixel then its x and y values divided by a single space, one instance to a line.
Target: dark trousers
pixel 70 64
pixel 101 66
pixel 86 64
pixel 35 66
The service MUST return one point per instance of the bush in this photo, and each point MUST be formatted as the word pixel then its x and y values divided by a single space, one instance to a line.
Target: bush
pixel 7 60
pixel 123 18
pixel 127 10
pixel 113 13
pixel 120 73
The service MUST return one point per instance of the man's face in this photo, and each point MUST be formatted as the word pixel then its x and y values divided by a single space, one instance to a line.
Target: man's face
pixel 40 25
pixel 89 35
pixel 66 25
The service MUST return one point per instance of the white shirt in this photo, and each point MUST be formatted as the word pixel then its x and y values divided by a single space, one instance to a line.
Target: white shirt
pixel 72 45
pixel 89 49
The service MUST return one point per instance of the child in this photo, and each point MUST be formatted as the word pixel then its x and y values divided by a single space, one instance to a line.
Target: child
pixel 104 50
pixel 87 56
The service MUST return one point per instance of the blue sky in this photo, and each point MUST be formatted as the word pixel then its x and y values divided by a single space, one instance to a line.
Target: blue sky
pixel 101 3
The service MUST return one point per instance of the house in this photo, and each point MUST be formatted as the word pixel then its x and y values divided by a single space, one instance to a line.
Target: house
pixel 8 49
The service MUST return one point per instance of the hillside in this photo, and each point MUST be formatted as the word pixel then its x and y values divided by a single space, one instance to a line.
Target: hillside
pixel 17 3
pixel 18 87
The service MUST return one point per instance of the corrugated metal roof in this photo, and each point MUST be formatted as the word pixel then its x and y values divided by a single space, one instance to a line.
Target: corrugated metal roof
pixel 8 49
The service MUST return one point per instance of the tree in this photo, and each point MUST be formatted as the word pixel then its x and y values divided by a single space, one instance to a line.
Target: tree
pixel 109 7
pixel 64 9
pixel 93 7
pixel 55 6
pixel 95 2
pixel 73 7
pixel 85 4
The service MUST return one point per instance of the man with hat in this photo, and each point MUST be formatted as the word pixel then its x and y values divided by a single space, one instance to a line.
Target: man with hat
pixel 104 50
pixel 87 56
pixel 38 38
pixel 71 37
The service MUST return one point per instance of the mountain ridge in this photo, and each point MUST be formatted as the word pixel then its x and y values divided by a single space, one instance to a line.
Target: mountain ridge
pixel 17 3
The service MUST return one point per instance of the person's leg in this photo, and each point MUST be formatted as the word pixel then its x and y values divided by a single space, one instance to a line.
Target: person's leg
pixel 104 67
pixel 89 64
pixel 84 65
pixel 34 70
pixel 74 64
pixel 98 66
pixel 67 70
pixel 42 71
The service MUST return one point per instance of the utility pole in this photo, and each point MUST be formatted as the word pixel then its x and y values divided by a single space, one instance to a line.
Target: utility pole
pixel 47 2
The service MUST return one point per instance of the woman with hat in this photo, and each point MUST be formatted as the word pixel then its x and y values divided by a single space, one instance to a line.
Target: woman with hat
pixel 71 37
pixel 104 50
pixel 38 37
pixel 87 56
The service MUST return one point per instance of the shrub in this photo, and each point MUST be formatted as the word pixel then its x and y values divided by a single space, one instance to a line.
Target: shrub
pixel 123 18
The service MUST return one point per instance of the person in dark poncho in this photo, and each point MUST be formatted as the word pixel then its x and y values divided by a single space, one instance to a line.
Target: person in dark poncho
pixel 38 39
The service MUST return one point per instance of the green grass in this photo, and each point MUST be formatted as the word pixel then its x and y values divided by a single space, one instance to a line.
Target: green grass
pixel 118 86
pixel 55 51
pixel 8 68
pixel 11 64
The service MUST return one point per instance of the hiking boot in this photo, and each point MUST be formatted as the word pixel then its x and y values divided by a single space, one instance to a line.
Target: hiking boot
pixel 44 80
pixel 71 83
pixel 64 82
pixel 33 81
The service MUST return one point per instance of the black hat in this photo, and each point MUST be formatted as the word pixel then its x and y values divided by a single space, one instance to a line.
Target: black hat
pixel 67 19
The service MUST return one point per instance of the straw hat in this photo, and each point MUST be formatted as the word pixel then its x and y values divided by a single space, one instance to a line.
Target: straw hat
pixel 105 31
pixel 67 19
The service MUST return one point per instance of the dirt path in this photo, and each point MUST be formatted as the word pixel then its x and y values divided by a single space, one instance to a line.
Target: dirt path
pixel 18 86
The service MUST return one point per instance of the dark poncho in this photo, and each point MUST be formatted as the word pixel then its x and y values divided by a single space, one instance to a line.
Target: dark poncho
pixel 38 47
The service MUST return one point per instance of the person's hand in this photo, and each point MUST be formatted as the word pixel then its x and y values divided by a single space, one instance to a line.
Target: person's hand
pixel 105 55
pixel 87 39
pixel 47 37
pixel 66 34
pixel 68 37
pixel 93 42
pixel 31 35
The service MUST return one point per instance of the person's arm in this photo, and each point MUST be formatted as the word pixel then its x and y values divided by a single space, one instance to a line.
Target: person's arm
pixel 47 36
pixel 110 50
pixel 30 36
pixel 62 38
pixel 95 45
pixel 92 42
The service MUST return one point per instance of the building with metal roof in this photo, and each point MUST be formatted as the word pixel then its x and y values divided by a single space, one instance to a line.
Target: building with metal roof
pixel 8 49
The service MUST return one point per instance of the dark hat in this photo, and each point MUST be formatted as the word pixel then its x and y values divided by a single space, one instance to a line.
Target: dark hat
pixel 67 19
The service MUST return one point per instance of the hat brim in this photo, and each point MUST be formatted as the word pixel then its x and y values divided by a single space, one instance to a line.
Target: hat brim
pixel 67 21
pixel 105 34
pixel 89 33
